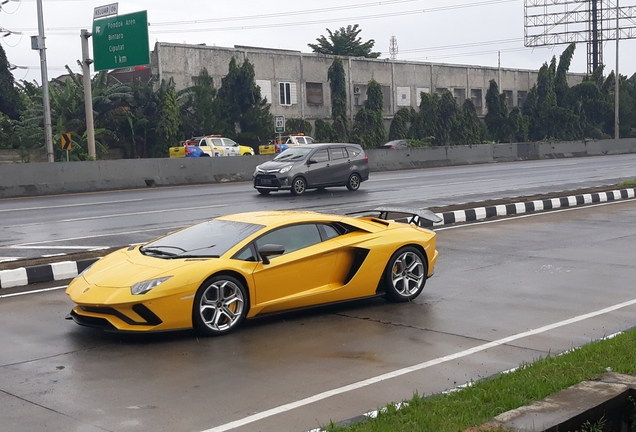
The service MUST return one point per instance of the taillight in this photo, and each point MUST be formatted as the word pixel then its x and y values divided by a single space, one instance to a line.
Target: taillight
pixel 366 158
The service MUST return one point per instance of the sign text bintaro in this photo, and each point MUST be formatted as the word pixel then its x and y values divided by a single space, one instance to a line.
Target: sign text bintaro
pixel 121 41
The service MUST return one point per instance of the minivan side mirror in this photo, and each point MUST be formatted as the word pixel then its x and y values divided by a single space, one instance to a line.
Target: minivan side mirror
pixel 311 162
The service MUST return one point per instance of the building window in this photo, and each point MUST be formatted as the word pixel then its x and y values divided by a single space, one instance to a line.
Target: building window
pixel 421 90
pixel 475 96
pixel 266 89
pixel 508 94
pixel 521 98
pixel 440 90
pixel 314 93
pixel 460 95
pixel 287 93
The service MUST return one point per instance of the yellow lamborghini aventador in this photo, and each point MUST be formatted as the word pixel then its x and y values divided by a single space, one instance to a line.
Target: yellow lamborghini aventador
pixel 214 274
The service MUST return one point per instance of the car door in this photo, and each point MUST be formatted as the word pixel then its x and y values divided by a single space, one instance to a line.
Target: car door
pixel 318 168
pixel 340 165
pixel 231 147
pixel 303 275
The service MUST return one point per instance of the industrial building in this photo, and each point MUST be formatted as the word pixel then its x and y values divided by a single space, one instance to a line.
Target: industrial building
pixel 296 85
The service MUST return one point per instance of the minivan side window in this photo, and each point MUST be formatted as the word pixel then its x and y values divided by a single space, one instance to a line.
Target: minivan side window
pixel 321 156
pixel 338 153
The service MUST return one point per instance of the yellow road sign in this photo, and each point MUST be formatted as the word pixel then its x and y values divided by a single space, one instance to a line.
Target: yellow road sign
pixel 66 141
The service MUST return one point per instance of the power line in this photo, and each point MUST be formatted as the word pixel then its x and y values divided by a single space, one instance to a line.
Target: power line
pixel 297 23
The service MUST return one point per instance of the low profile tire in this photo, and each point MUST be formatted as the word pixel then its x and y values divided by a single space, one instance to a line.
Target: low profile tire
pixel 220 305
pixel 353 184
pixel 205 155
pixel 299 186
pixel 405 275
pixel 263 191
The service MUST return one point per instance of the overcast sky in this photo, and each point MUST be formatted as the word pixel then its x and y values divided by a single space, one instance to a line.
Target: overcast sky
pixel 441 31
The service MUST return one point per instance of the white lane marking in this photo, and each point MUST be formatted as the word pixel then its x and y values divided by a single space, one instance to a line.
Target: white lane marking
pixel 71 205
pixel 18 246
pixel 144 212
pixel 31 292
pixel 8 259
pixel 420 366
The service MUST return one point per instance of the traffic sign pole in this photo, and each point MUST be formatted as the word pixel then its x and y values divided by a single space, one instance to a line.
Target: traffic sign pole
pixel 88 94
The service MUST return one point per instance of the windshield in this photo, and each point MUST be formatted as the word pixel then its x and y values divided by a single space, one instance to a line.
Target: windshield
pixel 207 239
pixel 293 154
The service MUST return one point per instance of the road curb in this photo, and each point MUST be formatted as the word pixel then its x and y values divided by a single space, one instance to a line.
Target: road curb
pixel 482 213
pixel 70 269
pixel 43 273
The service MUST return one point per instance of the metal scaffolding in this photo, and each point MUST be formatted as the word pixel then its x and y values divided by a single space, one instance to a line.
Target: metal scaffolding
pixel 557 22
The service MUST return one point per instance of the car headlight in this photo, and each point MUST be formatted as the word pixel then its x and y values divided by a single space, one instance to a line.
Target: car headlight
pixel 285 169
pixel 145 286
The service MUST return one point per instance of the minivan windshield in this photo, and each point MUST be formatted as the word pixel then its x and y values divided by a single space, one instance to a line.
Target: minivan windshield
pixel 293 154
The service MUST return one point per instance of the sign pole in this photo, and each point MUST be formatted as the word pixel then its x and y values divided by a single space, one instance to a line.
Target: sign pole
pixel 88 94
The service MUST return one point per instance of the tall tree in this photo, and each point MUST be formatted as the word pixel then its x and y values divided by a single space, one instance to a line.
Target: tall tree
pixel 471 129
pixel 424 125
pixel 401 123
pixel 497 115
pixel 198 107
pixel 338 86
pixel 169 119
pixel 561 87
pixel 10 102
pixel 368 128
pixel 448 124
pixel 345 42
pixel 243 112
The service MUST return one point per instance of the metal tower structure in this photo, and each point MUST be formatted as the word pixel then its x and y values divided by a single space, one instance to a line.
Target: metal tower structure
pixel 556 22
pixel 393 47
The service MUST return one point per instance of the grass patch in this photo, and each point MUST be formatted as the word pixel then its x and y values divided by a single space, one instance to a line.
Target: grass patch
pixel 629 183
pixel 486 399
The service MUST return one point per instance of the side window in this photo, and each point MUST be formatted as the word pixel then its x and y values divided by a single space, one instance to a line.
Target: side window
pixel 228 142
pixel 292 238
pixel 327 232
pixel 321 156
pixel 354 152
pixel 338 153
pixel 246 254
pixel 217 142
pixel 309 140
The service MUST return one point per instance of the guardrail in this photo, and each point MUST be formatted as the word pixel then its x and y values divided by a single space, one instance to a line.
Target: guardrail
pixel 33 179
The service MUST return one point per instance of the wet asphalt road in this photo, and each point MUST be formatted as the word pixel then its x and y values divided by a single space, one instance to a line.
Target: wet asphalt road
pixel 31 227
pixel 494 283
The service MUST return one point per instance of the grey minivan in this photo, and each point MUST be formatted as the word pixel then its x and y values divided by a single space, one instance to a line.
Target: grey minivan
pixel 313 166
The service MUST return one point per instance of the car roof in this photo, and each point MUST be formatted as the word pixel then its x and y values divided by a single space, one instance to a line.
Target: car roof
pixel 318 145
pixel 274 218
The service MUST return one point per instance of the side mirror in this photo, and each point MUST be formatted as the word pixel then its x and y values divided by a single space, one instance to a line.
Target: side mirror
pixel 311 162
pixel 270 250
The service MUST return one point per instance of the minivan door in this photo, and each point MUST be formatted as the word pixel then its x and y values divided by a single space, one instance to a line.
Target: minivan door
pixel 319 168
pixel 340 165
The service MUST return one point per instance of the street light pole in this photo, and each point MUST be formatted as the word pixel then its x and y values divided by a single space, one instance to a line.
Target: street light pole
pixel 617 84
pixel 48 133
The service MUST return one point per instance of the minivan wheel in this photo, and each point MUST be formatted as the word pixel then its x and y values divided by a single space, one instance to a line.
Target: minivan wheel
pixel 354 182
pixel 299 186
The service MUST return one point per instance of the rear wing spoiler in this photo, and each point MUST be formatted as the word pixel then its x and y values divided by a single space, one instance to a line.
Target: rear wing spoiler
pixel 421 218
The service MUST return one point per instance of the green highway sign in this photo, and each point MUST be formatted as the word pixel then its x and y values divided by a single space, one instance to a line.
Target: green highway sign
pixel 121 41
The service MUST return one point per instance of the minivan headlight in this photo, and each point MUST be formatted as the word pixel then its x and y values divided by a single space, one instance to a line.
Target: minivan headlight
pixel 145 286
pixel 285 169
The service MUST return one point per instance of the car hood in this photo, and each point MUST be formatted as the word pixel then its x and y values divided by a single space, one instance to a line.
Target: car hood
pixel 127 267
pixel 272 166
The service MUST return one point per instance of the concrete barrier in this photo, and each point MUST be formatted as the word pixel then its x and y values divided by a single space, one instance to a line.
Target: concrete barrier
pixel 32 179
